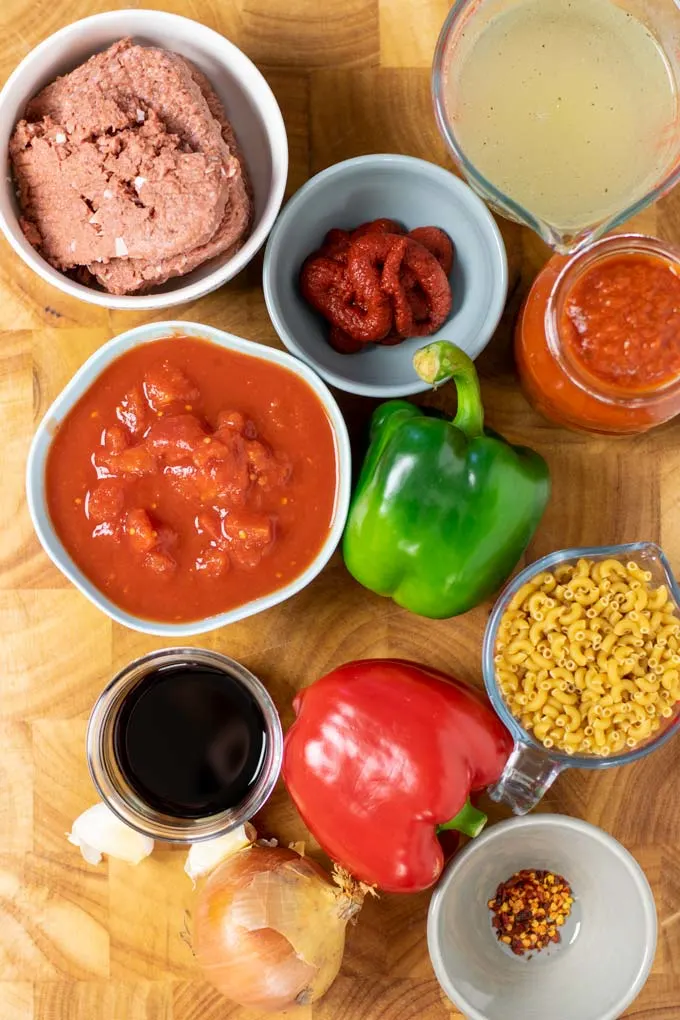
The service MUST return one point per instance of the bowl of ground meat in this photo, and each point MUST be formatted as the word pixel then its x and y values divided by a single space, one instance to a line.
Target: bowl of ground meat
pixel 147 160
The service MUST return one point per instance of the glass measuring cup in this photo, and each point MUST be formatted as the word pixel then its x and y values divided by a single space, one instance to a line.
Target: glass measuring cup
pixel 531 769
pixel 467 20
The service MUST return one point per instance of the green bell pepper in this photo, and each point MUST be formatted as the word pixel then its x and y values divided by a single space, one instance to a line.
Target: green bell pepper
pixel 443 510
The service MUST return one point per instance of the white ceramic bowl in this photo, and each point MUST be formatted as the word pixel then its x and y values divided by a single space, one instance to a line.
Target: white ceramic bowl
pixel 608 943
pixel 81 382
pixel 246 96
pixel 417 194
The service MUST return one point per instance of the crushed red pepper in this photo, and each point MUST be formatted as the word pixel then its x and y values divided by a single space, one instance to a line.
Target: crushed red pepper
pixel 529 908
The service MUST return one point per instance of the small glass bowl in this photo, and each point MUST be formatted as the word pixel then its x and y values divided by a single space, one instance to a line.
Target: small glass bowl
pixel 122 798
pixel 531 768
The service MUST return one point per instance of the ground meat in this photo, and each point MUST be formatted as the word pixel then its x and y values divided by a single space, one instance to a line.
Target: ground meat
pixel 128 166
pixel 123 276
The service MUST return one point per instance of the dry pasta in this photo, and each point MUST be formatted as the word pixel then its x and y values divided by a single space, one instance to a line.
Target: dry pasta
pixel 588 657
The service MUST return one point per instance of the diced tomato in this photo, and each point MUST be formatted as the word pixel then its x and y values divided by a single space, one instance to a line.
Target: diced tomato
pixel 167 538
pixel 140 531
pixel 248 536
pixel 254 531
pixel 160 562
pixel 212 562
pixel 132 411
pixel 115 439
pixel 258 455
pixel 208 523
pixel 105 503
pixel 182 478
pixel 136 460
pixel 268 470
pixel 214 450
pixel 223 483
pixel 233 421
pixel 246 557
pixel 175 438
pixel 165 384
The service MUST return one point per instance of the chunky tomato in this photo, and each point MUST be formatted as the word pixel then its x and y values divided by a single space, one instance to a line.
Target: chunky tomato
pixel 190 479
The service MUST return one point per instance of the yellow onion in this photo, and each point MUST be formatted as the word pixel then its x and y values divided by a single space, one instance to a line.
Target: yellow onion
pixel 269 927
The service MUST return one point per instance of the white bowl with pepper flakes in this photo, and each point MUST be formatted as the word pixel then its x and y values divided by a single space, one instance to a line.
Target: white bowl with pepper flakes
pixel 148 159
pixel 542 918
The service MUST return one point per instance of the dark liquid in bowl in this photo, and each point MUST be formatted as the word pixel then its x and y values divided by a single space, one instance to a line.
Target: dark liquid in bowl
pixel 190 741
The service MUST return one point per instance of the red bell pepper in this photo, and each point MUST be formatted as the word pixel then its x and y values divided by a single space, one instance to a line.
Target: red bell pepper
pixel 382 755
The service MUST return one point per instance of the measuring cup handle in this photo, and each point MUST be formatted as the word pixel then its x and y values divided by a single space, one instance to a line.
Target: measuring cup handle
pixel 526 777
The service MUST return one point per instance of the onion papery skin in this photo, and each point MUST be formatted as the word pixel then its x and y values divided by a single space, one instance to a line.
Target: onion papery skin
pixel 269 928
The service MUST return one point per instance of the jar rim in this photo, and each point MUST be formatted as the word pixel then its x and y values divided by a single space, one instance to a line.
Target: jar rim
pixel 574 270
pixel 116 791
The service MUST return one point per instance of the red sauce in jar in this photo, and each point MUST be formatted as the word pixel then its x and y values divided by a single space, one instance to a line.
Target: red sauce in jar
pixel 621 321
pixel 597 342
pixel 190 479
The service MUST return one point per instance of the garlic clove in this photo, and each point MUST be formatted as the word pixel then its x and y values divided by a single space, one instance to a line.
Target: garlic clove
pixel 98 831
pixel 204 857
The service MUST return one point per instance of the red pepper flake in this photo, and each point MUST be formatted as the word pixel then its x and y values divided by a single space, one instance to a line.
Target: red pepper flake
pixel 529 908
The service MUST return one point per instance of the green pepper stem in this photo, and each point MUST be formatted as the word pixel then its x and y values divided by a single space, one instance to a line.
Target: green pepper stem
pixel 440 361
pixel 469 820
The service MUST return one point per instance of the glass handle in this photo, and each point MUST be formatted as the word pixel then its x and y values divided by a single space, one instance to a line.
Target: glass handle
pixel 526 777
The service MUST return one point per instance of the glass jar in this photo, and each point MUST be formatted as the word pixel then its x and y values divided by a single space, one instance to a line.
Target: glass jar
pixel 111 781
pixel 554 382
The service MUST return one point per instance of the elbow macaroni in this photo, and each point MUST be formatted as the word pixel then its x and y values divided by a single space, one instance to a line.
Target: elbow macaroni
pixel 587 657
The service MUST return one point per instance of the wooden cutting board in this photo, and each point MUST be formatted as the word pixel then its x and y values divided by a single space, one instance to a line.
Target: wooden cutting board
pixel 84 943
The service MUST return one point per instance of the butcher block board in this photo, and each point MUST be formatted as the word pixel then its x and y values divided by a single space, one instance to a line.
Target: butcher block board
pixel 85 943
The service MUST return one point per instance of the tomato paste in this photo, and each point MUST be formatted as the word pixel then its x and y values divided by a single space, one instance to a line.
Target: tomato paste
pixel 190 479
pixel 378 284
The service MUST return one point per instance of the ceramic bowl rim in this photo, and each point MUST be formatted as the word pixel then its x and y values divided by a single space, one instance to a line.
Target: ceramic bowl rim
pixel 251 82
pixel 464 195
pixel 483 842
pixel 81 381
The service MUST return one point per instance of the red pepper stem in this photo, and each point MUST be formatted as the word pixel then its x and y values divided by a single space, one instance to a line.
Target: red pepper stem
pixel 440 361
pixel 469 820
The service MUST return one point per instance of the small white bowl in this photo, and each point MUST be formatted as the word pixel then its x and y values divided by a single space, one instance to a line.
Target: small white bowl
pixel 608 943
pixel 247 99
pixel 81 382
pixel 417 194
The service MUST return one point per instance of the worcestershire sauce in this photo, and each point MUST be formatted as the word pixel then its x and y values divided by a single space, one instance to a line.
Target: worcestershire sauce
pixel 190 740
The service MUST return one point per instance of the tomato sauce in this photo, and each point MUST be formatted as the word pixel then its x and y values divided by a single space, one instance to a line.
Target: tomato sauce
pixel 621 321
pixel 190 479
pixel 597 342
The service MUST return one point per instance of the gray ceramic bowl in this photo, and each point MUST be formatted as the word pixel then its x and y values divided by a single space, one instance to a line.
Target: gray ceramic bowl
pixel 416 194
pixel 81 382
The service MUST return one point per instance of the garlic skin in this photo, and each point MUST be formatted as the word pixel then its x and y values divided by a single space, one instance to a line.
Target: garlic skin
pixel 205 856
pixel 98 831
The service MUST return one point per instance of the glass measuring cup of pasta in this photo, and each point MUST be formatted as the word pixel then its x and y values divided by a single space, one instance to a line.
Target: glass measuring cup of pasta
pixel 582 663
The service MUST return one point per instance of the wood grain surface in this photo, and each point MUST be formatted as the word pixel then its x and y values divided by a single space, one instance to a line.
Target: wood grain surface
pixel 84 943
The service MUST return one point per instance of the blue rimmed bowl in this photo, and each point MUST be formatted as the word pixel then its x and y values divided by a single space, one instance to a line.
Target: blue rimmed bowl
pixel 415 193
pixel 81 383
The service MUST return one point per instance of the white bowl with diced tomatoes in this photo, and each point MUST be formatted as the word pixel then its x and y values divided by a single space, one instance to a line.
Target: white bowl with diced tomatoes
pixel 121 456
